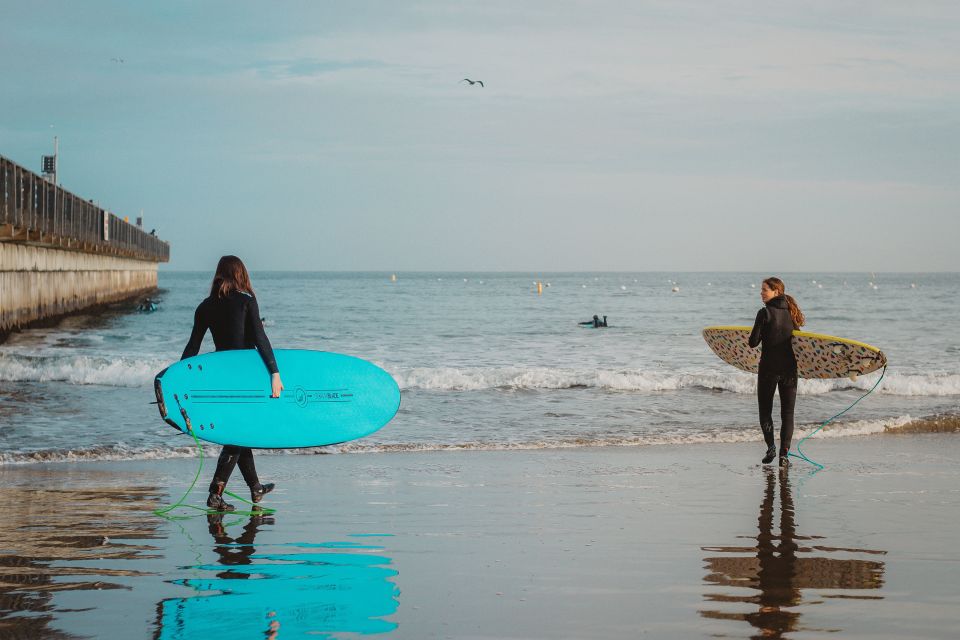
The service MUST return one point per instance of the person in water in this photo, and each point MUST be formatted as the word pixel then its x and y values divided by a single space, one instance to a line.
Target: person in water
pixel 232 315
pixel 592 323
pixel 596 322
pixel 773 329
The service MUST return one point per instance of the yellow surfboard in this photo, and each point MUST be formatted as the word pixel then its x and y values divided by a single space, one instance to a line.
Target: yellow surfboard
pixel 818 355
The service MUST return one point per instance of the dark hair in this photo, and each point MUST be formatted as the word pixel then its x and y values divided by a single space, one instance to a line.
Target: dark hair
pixel 231 276
pixel 777 286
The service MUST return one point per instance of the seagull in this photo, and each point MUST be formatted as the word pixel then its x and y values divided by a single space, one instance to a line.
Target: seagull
pixel 473 82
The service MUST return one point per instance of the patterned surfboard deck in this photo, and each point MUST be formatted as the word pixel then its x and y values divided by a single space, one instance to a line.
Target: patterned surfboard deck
pixel 818 355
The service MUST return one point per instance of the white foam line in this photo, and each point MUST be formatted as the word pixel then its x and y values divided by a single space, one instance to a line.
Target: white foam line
pixel 714 436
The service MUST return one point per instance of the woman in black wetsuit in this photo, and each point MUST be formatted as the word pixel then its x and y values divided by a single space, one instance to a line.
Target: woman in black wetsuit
pixel 773 329
pixel 233 317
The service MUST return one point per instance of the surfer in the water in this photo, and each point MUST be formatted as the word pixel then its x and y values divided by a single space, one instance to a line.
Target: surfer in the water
pixel 233 317
pixel 596 322
pixel 773 329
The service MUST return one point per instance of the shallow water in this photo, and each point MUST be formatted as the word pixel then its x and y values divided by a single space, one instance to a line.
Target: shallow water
pixel 679 541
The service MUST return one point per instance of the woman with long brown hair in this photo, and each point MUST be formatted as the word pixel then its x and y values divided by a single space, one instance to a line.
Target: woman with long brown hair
pixel 774 328
pixel 233 317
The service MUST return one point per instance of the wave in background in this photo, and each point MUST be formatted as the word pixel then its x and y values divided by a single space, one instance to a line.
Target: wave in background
pixel 129 371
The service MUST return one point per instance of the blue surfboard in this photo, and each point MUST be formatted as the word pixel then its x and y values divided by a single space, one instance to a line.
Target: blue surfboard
pixel 224 397
pixel 338 594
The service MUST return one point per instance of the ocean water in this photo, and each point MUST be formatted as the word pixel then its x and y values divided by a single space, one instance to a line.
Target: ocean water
pixel 484 361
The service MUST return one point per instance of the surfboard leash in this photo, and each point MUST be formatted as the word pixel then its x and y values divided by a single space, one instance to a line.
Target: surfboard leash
pixel 164 512
pixel 801 455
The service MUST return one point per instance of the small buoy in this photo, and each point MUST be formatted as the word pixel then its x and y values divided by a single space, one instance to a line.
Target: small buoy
pixel 813 282
pixel 875 287
pixel 623 288
pixel 584 286
pixel 819 286
pixel 709 284
pixel 548 284
pixel 913 285
pixel 465 280
pixel 393 278
pixel 753 286
pixel 675 290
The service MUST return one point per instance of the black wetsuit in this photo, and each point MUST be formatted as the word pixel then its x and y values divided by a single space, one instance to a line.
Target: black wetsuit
pixel 234 322
pixel 773 329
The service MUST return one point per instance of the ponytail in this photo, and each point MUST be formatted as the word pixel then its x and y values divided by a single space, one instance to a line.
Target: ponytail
pixel 798 319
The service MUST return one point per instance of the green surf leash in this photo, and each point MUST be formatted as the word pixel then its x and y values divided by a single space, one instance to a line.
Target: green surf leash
pixel 165 511
pixel 801 455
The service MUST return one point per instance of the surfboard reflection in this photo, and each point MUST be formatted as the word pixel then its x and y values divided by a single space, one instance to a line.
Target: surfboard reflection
pixel 780 569
pixel 321 589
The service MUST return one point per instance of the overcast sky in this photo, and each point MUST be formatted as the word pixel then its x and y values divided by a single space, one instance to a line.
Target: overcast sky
pixel 761 136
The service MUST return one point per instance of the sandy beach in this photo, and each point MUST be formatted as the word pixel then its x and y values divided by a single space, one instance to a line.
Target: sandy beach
pixel 658 541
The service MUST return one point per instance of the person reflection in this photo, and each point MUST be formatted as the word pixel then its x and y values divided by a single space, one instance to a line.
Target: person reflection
pixel 300 589
pixel 778 571
pixel 235 551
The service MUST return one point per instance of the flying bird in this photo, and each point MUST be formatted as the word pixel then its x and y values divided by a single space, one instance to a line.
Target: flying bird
pixel 120 60
pixel 473 82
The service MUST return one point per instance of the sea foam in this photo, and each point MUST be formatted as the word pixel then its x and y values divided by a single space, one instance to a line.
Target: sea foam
pixel 716 435
pixel 130 371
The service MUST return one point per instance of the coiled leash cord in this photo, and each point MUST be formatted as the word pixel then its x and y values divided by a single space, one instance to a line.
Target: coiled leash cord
pixel 801 455
pixel 164 512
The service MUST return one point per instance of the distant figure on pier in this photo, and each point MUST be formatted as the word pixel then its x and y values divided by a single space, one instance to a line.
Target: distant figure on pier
pixel 153 232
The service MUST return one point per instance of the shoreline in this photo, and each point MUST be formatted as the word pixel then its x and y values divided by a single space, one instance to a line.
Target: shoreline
pixel 864 428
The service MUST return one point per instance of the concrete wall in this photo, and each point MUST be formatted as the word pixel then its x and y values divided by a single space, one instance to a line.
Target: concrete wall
pixel 39 282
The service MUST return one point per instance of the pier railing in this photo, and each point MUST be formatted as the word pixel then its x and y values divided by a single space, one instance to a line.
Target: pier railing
pixel 35 211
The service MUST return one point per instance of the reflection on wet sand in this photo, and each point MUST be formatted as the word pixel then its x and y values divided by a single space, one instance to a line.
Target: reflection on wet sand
pixel 294 588
pixel 779 569
pixel 48 535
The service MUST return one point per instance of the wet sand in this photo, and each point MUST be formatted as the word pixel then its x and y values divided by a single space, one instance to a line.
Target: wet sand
pixel 663 541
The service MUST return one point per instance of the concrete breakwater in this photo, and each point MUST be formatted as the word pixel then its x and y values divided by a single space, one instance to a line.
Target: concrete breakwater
pixel 38 283
pixel 60 254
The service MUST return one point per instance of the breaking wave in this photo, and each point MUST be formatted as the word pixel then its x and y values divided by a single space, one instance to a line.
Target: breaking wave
pixel 122 371
pixel 129 371
pixel 533 378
